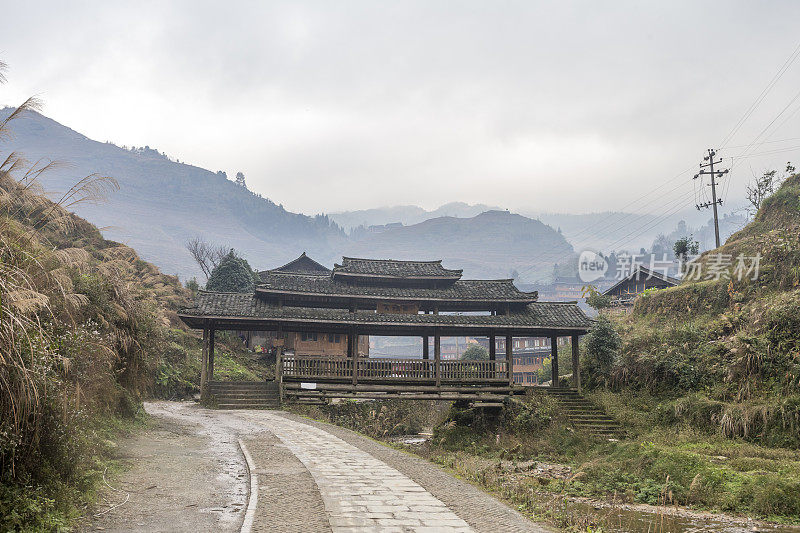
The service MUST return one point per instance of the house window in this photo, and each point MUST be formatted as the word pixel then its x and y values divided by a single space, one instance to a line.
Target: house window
pixel 305 336
pixel 334 338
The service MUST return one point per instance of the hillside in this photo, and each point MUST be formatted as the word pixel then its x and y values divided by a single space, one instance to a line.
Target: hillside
pixel 87 329
pixel 161 203
pixel 406 214
pixel 494 244
pixel 740 336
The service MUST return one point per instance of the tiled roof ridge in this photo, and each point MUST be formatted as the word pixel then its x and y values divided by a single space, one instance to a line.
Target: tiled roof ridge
pixel 399 268
pixel 301 257
pixel 344 257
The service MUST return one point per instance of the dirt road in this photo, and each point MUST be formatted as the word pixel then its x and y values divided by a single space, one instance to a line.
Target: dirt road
pixel 194 469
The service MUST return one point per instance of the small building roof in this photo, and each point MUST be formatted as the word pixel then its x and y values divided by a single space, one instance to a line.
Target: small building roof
pixel 394 269
pixel 301 265
pixel 641 272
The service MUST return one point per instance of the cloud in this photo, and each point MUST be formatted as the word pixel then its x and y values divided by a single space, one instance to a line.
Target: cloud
pixel 569 106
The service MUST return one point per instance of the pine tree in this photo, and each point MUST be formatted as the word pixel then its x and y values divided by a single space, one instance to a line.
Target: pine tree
pixel 240 180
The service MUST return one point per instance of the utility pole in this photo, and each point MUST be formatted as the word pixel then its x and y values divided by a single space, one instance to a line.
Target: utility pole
pixel 714 201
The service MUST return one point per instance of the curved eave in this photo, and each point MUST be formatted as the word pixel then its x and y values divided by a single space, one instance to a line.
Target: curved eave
pixel 387 327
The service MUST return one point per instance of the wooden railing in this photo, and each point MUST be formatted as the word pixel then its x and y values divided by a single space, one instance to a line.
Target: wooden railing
pixel 307 366
pixel 473 371
pixel 341 368
pixel 408 369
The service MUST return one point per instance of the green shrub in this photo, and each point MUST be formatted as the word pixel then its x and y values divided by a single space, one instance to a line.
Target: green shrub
pixel 232 274
pixel 602 349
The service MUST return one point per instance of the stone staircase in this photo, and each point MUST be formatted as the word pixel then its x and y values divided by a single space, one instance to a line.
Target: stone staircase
pixel 584 415
pixel 244 394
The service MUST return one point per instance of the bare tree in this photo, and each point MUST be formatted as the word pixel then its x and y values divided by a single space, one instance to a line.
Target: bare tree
pixel 206 254
pixel 759 189
pixel 762 187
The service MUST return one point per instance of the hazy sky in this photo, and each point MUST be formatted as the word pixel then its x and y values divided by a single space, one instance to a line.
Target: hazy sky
pixel 325 106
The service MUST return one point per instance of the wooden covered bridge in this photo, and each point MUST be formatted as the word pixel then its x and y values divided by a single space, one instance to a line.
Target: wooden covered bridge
pixel 391 298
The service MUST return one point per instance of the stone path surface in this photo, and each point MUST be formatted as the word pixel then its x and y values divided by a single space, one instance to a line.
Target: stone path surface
pixel 481 511
pixel 362 493
pixel 189 474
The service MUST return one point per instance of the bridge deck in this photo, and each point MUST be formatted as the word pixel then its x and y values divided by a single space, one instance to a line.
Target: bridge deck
pixel 333 377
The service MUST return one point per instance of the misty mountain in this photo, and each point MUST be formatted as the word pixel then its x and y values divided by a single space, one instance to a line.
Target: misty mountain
pixel 494 244
pixel 596 231
pixel 406 214
pixel 162 203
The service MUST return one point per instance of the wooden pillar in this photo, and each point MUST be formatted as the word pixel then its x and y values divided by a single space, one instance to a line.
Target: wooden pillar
pixel 353 341
pixel 426 347
pixel 576 364
pixel 554 360
pixel 204 367
pixel 279 363
pixel 492 347
pixel 437 357
pixel 211 336
pixel 510 359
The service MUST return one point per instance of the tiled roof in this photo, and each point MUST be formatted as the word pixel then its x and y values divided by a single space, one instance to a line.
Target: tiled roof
pixel 544 315
pixel 352 266
pixel 642 273
pixel 302 265
pixel 501 290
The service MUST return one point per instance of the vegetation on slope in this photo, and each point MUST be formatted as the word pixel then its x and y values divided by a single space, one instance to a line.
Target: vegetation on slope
pixel 87 329
pixel 725 353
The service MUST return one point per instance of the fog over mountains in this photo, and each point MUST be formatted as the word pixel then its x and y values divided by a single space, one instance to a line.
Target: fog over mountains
pixel 162 203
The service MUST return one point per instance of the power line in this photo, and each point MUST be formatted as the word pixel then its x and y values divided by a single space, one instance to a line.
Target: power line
pixel 619 224
pixel 768 142
pixel 675 207
pixel 600 226
pixel 760 98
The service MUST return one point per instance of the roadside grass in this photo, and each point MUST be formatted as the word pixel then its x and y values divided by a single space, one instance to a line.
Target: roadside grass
pixel 178 373
pixel 377 419
pixel 54 501
pixel 657 465
pixel 664 465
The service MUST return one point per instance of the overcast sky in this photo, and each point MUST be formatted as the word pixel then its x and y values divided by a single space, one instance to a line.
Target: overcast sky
pixel 326 106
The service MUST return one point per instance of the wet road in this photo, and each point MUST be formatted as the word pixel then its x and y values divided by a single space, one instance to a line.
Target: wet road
pixel 194 470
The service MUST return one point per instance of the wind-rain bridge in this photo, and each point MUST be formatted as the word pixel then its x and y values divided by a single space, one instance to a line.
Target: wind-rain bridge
pixel 389 298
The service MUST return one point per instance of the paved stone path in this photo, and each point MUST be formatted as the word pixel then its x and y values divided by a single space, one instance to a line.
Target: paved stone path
pixel 481 511
pixel 187 473
pixel 360 492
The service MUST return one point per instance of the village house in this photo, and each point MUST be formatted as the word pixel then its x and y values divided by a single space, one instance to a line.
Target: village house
pixel 641 278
